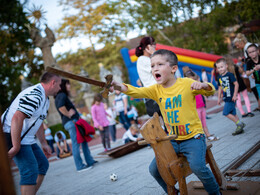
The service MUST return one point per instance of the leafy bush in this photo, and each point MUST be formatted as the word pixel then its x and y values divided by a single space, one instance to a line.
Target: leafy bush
pixel 140 106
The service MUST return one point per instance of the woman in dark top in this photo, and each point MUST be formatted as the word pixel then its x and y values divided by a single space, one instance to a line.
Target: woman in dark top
pixel 69 117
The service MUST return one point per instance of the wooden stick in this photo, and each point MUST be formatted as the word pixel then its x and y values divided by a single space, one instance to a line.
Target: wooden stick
pixel 6 178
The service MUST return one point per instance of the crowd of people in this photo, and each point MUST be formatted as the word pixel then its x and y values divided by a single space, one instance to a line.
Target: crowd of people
pixel 161 82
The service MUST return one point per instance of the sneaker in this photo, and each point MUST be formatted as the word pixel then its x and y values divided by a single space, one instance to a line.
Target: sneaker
pixel 239 129
pixel 238 132
pixel 105 150
pixel 244 115
pixel 212 138
pixel 250 114
pixel 85 168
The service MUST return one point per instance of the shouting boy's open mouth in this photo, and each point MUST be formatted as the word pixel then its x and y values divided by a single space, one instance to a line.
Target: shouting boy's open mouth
pixel 157 76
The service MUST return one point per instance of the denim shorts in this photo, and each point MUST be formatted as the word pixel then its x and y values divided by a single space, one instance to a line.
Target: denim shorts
pixel 31 162
pixel 229 108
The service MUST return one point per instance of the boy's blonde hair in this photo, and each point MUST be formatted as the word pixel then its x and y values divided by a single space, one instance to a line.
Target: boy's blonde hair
pixel 134 127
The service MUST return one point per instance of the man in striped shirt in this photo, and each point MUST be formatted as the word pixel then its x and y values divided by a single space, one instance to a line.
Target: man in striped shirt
pixel 27 111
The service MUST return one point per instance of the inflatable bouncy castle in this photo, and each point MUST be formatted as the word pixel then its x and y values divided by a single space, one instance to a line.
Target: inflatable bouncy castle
pixel 194 59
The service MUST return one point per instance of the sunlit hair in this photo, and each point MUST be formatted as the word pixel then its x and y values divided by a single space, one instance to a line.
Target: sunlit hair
pixel 139 51
pixel 135 127
pixel 240 38
pixel 47 77
pixel 231 66
pixel 169 55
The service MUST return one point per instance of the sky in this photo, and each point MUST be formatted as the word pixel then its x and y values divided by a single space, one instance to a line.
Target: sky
pixel 54 15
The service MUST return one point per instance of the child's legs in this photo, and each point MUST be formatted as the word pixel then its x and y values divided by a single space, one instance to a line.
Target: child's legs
pixel 58 151
pixel 239 104
pixel 199 112
pixel 195 152
pixel 256 95
pixel 107 139
pixel 230 111
pixel 202 116
pixel 203 122
pixel 232 117
pixel 102 135
pixel 258 89
pixel 247 101
pixel 112 132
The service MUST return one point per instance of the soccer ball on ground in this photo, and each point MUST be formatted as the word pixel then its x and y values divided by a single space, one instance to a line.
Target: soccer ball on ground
pixel 113 177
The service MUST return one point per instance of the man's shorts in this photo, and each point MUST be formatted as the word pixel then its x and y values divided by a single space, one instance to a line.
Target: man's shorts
pixel 229 108
pixel 31 162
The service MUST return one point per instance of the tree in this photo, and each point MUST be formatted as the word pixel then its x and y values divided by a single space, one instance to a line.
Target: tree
pixel 109 56
pixel 16 54
pixel 92 19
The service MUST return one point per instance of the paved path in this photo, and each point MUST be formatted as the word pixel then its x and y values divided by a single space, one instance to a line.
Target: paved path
pixel 132 169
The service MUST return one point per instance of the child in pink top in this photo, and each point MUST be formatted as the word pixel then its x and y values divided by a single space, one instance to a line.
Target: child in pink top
pixel 200 105
pixel 100 120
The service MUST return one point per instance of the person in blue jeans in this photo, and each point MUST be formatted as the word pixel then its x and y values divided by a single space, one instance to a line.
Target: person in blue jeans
pixel 70 116
pixel 176 100
pixel 194 150
pixel 23 120
pixel 121 106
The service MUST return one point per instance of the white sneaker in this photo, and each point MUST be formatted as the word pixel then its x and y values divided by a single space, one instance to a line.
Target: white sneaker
pixel 212 138
pixel 85 168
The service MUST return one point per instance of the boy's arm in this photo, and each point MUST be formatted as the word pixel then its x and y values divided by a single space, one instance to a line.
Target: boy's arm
pixel 199 85
pixel 206 89
pixel 59 146
pixel 136 92
pixel 65 145
pixel 125 105
pixel 234 98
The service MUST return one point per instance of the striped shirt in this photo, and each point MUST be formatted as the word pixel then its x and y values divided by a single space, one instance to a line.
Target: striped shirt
pixel 32 102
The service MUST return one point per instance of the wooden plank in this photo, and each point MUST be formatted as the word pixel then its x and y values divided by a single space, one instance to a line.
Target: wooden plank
pixel 245 188
pixel 123 149
pixel 229 186
pixel 243 158
pixel 215 169
pixel 6 179
pixel 238 173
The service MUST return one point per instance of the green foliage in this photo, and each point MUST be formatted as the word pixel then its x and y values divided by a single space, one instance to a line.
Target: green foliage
pixel 109 56
pixel 140 106
pixel 59 127
pixel 16 56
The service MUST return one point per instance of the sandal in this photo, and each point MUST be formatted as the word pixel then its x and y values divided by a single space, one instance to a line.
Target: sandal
pixel 212 138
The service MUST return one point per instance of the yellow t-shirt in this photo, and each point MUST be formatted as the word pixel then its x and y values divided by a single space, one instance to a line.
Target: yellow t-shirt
pixel 177 104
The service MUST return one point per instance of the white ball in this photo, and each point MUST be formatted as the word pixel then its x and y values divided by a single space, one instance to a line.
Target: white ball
pixel 113 177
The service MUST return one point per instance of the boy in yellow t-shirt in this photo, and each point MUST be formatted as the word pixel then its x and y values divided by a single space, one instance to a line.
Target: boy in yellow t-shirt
pixel 176 99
